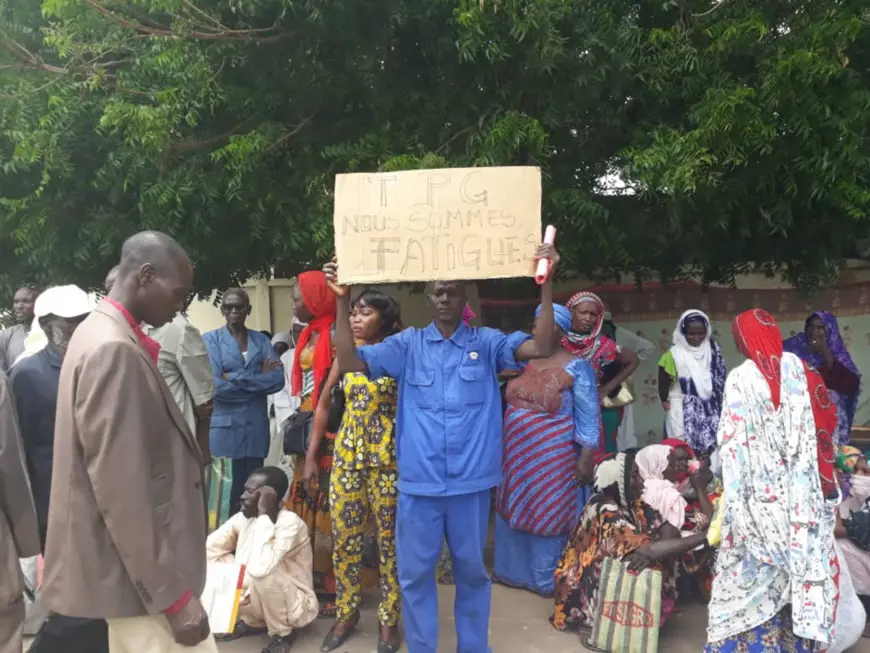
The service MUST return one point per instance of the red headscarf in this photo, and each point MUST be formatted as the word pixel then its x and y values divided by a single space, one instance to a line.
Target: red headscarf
pixel 758 338
pixel 675 444
pixel 825 417
pixel 320 300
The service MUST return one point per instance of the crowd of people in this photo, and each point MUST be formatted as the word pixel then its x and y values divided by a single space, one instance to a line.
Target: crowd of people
pixel 118 417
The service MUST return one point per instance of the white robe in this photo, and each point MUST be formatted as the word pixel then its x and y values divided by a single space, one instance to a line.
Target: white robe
pixel 279 569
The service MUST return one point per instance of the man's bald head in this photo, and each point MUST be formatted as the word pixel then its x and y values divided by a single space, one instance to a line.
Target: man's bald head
pixel 154 277
pixel 160 250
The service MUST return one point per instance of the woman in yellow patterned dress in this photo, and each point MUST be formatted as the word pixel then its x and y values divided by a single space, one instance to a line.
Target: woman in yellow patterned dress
pixel 363 480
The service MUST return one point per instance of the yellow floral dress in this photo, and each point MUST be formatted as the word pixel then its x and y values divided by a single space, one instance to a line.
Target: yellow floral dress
pixel 364 485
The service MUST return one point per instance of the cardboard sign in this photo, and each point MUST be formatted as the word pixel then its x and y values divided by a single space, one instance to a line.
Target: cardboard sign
pixel 437 225
pixel 222 595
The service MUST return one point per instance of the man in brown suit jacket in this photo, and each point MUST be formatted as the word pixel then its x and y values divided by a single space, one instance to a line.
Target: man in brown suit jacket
pixel 19 535
pixel 126 528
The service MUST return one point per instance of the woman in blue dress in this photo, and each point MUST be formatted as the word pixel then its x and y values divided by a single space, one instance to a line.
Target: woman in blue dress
pixel 550 437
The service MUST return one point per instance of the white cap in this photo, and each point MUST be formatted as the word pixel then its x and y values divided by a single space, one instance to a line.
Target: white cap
pixel 63 301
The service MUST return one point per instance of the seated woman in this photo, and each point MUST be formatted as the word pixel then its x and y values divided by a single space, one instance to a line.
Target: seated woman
pixel 615 523
pixel 658 467
pixel 853 521
pixel 273 544
pixel 661 492
pixel 822 347
pixel 551 433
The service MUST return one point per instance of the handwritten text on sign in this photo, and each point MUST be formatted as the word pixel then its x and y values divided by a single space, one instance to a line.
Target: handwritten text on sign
pixel 427 225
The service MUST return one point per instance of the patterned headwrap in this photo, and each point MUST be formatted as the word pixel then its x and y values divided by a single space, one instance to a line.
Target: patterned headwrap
pixel 608 472
pixel 798 345
pixel 594 347
pixel 847 458
pixel 758 338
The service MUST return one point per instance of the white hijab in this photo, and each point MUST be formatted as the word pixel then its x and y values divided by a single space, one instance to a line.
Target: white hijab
pixel 694 362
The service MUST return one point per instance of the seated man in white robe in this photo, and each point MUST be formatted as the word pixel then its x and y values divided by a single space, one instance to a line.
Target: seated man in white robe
pixel 274 546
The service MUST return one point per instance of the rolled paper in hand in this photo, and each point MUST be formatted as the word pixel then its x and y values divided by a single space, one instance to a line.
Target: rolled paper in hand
pixel 694 466
pixel 543 269
pixel 339 291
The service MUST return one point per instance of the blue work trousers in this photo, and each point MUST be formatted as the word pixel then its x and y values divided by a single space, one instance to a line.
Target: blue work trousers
pixel 421 523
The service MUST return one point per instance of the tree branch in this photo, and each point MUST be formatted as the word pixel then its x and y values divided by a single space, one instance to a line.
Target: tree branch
pixel 214 140
pixel 260 34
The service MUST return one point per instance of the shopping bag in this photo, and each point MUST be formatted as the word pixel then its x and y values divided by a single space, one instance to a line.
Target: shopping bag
pixel 628 612
pixel 220 481
pixel 34 611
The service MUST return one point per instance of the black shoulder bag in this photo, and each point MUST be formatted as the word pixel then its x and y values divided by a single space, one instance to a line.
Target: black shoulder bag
pixel 297 432
pixel 336 407
pixel 297 428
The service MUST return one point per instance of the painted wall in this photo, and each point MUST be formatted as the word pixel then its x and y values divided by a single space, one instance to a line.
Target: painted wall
pixel 272 306
pixel 650 313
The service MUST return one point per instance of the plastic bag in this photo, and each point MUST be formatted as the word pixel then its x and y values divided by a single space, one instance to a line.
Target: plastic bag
pixel 35 611
pixel 220 482
pixel 626 438
pixel 851 616
pixel 628 612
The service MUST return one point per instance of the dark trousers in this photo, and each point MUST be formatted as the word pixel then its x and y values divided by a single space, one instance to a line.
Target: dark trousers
pixel 242 468
pixel 69 634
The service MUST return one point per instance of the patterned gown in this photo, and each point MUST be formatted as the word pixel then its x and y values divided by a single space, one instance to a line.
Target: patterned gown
pixel 606 530
pixel 364 486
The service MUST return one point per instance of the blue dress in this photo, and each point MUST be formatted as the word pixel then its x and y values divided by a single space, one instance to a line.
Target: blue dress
pixel 773 636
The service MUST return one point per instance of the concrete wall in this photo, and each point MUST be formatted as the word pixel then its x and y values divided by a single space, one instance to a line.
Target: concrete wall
pixel 272 306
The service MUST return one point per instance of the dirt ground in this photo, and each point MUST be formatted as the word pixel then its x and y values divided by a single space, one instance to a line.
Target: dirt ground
pixel 518 623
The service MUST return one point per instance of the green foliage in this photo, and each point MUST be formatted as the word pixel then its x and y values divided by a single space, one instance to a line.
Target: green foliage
pixel 739 129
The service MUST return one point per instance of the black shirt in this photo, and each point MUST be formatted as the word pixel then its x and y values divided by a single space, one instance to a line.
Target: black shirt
pixel 34 383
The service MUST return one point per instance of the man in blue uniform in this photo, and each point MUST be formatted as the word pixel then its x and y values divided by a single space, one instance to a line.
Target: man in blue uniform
pixel 449 424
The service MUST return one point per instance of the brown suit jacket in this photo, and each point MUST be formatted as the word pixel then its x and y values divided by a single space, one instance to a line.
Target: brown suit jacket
pixel 19 535
pixel 126 529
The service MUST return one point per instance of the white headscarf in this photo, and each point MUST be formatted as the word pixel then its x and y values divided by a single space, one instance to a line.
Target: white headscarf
pixel 694 362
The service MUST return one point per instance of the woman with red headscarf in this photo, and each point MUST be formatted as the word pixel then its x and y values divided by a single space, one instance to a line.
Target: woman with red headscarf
pixel 314 303
pixel 775 571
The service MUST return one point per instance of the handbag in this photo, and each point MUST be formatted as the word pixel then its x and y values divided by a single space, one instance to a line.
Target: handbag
pixel 628 612
pixel 623 398
pixel 297 432
pixel 336 408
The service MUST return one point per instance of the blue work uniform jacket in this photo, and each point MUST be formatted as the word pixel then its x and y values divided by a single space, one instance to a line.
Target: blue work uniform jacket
pixel 240 422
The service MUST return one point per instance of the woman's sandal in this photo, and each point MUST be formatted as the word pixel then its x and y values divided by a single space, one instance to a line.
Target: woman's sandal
pixel 389 639
pixel 338 634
